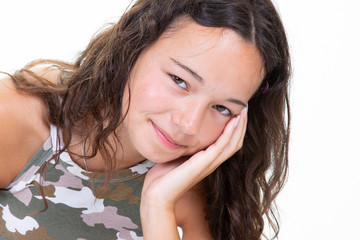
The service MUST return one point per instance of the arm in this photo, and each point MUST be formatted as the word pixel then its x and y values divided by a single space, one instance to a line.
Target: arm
pixel 191 216
pixel 162 188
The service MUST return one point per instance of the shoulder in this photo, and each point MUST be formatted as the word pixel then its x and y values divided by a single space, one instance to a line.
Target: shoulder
pixel 24 128
pixel 191 216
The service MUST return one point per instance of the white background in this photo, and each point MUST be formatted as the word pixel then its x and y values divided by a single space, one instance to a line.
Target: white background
pixel 322 197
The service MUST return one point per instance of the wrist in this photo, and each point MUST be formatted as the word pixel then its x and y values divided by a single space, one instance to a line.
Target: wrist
pixel 158 221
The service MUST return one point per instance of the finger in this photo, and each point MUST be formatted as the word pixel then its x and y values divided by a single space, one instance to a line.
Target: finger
pixel 237 137
pixel 239 134
pixel 241 142
pixel 199 165
pixel 226 145
pixel 224 139
pixel 204 162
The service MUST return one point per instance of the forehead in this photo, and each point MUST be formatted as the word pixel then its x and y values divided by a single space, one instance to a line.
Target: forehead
pixel 217 54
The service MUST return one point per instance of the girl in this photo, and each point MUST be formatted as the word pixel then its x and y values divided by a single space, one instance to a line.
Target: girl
pixel 175 116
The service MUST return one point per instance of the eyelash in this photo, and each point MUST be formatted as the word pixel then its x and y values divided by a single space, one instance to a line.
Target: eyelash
pixel 178 81
pixel 216 107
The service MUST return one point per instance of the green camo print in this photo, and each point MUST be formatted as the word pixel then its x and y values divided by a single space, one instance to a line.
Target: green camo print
pixel 78 208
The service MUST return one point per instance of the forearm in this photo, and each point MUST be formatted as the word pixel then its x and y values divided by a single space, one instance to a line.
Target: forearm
pixel 158 222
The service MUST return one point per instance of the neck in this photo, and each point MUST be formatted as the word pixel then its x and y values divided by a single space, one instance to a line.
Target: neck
pixel 125 156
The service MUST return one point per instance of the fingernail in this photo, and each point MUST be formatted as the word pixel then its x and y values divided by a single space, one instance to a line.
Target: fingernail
pixel 237 121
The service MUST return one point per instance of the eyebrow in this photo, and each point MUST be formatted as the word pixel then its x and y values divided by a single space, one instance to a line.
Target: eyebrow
pixel 236 101
pixel 200 79
pixel 189 70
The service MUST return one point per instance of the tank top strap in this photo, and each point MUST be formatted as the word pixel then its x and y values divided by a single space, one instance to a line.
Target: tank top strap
pixel 98 177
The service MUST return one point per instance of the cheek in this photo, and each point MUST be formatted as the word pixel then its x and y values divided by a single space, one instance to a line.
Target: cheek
pixel 149 97
pixel 211 132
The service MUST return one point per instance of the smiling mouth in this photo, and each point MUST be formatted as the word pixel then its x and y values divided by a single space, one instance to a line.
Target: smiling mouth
pixel 165 139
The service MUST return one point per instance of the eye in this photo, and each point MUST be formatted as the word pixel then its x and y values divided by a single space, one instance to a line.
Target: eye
pixel 181 83
pixel 223 110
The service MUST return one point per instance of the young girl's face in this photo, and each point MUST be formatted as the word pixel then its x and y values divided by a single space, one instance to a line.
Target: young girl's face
pixel 185 88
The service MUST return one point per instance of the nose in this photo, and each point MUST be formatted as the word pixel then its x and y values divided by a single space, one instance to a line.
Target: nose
pixel 190 118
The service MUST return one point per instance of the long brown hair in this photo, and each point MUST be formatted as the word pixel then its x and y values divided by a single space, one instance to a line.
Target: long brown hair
pixel 242 190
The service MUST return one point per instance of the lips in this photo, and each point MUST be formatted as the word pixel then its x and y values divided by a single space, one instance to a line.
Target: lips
pixel 165 139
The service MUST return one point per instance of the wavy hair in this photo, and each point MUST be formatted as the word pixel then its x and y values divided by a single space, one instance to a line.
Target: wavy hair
pixel 241 192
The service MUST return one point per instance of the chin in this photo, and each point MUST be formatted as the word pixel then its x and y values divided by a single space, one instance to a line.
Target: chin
pixel 163 158
pixel 157 155
pixel 159 159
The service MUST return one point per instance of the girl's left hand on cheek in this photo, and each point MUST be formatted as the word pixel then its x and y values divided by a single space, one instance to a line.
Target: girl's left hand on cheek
pixel 165 183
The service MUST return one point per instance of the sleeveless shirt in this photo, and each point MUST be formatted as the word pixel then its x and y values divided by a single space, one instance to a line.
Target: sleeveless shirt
pixel 78 207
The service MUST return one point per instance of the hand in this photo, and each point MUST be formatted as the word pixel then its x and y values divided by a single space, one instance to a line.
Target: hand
pixel 165 183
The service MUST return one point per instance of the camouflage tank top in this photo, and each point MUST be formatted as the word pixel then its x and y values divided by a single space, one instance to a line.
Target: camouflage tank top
pixel 74 209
